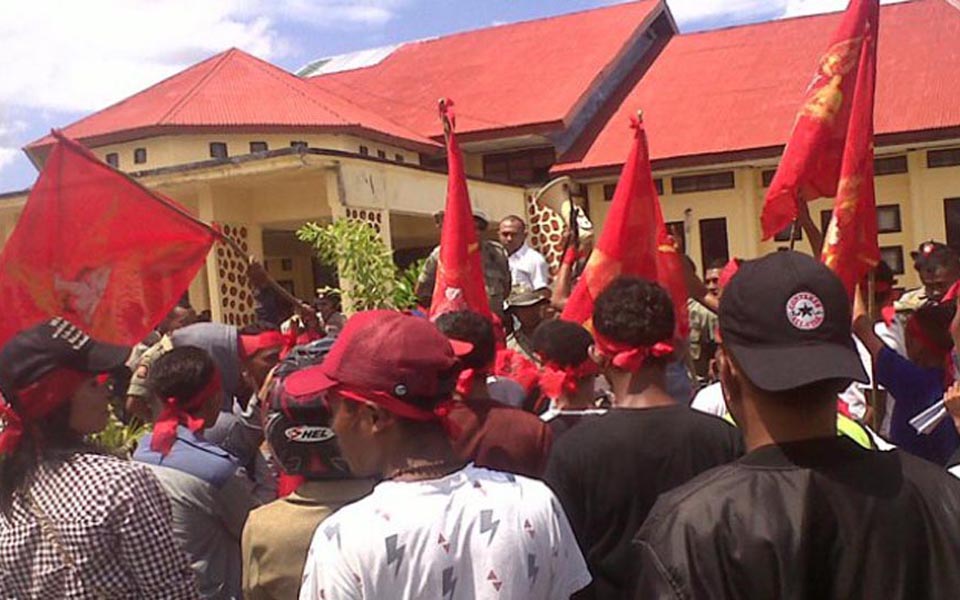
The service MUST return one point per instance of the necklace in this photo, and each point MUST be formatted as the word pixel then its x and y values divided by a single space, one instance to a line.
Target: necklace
pixel 430 470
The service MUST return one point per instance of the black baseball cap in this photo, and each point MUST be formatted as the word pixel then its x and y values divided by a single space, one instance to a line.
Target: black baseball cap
pixel 54 344
pixel 931 254
pixel 786 318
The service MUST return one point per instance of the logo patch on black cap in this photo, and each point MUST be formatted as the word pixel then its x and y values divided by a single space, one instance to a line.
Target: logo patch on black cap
pixel 805 311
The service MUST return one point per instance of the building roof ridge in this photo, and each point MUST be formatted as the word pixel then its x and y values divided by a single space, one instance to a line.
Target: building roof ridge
pixel 183 100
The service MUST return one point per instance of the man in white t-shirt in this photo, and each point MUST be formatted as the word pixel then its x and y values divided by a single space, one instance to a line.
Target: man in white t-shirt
pixel 528 268
pixel 434 528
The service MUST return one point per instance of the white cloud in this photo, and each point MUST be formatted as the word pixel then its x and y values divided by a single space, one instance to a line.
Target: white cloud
pixel 9 130
pixel 722 12
pixel 82 56
pixel 698 11
pixel 7 156
pixel 797 8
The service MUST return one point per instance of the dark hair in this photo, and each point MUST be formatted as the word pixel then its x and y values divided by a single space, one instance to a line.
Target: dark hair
pixel 940 257
pixel 468 326
pixel 934 320
pixel 717 263
pixel 48 441
pixel 634 311
pixel 810 394
pixel 561 342
pixel 331 297
pixel 180 373
pixel 515 219
pixel 883 273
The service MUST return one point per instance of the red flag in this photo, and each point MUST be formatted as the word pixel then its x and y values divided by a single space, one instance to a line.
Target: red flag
pixel 811 163
pixel 850 245
pixel 99 249
pixel 459 283
pixel 634 241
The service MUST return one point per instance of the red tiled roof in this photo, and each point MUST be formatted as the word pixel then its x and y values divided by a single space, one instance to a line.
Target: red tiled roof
pixel 509 76
pixel 738 89
pixel 232 89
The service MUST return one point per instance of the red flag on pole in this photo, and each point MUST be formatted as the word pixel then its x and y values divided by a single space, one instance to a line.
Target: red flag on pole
pixel 811 163
pixel 634 241
pixel 850 245
pixel 459 283
pixel 99 249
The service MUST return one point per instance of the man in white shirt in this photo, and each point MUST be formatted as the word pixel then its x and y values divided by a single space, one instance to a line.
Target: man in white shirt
pixel 528 268
pixel 434 527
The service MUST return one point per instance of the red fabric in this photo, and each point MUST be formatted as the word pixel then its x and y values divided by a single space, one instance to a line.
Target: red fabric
pixel 37 400
pixel 440 412
pixel 811 164
pixel 251 344
pixel 729 270
pixel 116 275
pixel 288 484
pixel 176 413
pixel 557 380
pixel 952 294
pixel 634 241
pixel 702 95
pixel 630 358
pixel 851 247
pixel 514 365
pixel 467 379
pixel 501 437
pixel 459 283
pixel 41 397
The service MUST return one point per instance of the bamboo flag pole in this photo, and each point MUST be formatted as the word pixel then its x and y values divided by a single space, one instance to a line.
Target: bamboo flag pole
pixel 874 398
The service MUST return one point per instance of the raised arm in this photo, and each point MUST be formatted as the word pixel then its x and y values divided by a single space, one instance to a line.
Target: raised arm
pixel 863 326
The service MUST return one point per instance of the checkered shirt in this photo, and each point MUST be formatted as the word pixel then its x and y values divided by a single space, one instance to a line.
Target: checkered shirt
pixel 93 527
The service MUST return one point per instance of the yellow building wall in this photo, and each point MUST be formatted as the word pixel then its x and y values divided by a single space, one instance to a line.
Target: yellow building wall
pixel 473 164
pixel 168 150
pixel 919 194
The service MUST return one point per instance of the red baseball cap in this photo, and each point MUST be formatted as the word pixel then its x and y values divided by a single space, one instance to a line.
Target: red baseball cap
pixel 386 351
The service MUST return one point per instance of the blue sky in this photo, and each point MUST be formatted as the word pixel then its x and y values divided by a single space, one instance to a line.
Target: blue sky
pixel 62 61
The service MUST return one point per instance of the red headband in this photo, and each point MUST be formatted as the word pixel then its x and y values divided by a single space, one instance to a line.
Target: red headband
pixel 174 413
pixel 440 413
pixel 556 380
pixel 627 357
pixel 37 400
pixel 251 344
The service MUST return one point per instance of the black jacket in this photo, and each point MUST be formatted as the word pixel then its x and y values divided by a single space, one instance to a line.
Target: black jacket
pixel 816 519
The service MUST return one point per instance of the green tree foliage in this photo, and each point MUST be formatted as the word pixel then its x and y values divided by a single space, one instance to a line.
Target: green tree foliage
pixel 369 277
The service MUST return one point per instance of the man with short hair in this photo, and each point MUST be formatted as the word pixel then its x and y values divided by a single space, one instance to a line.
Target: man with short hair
pixel 805 514
pixel 528 268
pixel 608 471
pixel 434 527
pixel 568 380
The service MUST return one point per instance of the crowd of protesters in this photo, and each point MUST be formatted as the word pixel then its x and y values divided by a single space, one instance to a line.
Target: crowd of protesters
pixel 773 454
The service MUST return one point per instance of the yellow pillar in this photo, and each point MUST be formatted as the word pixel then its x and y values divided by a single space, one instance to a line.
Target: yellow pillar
pixel 921 229
pixel 751 205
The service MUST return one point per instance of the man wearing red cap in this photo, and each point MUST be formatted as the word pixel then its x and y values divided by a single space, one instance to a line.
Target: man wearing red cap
pixel 434 528
pixel 608 471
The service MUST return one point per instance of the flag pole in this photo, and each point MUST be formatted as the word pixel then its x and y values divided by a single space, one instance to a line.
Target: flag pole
pixel 793 233
pixel 284 293
pixel 877 419
pixel 445 119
